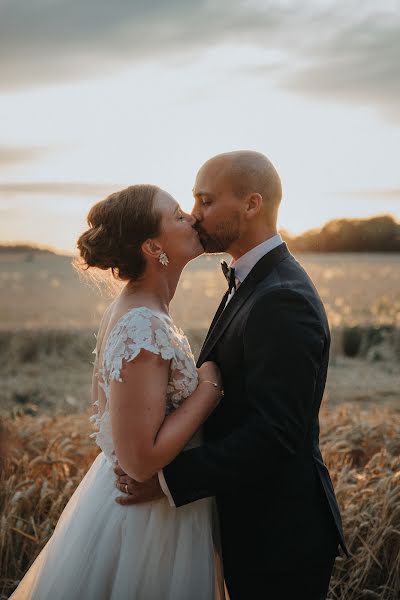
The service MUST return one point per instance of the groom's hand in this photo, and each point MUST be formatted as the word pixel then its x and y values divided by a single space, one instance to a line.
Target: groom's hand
pixel 135 492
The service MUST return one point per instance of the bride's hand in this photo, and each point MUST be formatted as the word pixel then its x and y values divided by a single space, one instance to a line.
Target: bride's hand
pixel 209 372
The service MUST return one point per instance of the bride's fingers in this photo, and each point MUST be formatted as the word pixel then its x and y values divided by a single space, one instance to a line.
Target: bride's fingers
pixel 125 500
pixel 123 487
pixel 118 471
pixel 124 479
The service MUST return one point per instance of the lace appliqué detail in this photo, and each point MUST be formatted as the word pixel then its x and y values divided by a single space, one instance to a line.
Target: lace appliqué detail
pixel 142 329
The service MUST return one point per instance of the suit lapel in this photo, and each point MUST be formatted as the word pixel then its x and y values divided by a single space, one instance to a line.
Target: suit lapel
pixel 223 317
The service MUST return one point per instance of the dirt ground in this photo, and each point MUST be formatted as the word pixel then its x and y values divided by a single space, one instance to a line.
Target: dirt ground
pixel 50 386
pixel 364 382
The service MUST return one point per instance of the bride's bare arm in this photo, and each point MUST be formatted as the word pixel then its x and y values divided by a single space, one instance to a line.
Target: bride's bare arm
pixel 145 439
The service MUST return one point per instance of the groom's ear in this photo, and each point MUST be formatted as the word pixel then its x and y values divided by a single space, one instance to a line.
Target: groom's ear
pixel 253 205
pixel 151 248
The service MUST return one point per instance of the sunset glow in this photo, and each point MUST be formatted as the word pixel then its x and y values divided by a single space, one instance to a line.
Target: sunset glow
pixel 84 120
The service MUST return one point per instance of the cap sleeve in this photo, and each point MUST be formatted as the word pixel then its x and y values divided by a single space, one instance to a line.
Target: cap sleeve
pixel 139 329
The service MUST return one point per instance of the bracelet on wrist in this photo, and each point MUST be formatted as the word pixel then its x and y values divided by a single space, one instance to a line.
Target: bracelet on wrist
pixel 213 384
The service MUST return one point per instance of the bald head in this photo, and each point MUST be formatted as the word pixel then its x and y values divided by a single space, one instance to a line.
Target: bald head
pixel 250 172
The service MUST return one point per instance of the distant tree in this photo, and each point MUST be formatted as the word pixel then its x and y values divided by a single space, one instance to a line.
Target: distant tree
pixel 377 234
pixel 23 249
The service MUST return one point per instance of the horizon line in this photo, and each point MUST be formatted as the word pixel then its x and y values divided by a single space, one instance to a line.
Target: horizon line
pixel 65 252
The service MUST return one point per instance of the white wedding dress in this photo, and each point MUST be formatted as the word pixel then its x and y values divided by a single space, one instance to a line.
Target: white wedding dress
pixel 101 550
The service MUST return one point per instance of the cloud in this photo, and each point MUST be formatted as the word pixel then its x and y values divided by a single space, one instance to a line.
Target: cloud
pixel 55 188
pixel 342 51
pixel 59 40
pixel 12 155
pixel 357 63
pixel 376 194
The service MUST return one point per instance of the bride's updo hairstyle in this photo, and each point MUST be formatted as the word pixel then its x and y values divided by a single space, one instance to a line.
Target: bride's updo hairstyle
pixel 118 226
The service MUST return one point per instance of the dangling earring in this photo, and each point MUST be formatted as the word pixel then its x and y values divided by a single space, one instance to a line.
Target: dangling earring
pixel 163 258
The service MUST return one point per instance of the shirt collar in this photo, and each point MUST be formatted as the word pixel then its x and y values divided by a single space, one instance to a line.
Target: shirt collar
pixel 245 263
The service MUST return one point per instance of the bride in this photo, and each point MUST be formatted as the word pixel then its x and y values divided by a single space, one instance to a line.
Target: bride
pixel 151 402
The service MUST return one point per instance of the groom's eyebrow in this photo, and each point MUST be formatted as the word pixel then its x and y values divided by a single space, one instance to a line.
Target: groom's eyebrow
pixel 200 194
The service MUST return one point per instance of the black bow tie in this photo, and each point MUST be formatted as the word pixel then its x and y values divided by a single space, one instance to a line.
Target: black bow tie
pixel 229 273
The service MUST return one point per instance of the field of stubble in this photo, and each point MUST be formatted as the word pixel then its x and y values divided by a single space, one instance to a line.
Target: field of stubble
pixel 47 324
pixel 41 290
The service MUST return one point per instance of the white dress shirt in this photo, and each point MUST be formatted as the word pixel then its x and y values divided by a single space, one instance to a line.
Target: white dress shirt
pixel 242 266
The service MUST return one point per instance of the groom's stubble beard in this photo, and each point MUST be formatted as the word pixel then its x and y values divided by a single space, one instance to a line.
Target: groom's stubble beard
pixel 222 238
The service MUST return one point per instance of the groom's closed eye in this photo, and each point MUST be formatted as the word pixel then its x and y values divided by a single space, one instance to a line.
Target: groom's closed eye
pixel 203 199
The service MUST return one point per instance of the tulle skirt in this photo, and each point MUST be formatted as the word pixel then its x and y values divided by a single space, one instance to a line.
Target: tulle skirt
pixel 103 551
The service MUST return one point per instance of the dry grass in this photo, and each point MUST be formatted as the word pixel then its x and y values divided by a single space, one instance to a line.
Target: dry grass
pixel 48 456
pixel 362 451
pixel 49 370
pixel 46 459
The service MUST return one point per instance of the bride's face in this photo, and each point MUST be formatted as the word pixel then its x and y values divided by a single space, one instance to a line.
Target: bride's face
pixel 178 239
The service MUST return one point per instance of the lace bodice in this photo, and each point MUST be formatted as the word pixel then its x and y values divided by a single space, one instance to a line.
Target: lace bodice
pixel 142 328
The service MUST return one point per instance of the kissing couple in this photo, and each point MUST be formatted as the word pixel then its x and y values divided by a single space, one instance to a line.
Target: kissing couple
pixel 221 488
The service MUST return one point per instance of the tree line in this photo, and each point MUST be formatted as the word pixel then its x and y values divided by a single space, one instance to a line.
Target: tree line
pixel 377 234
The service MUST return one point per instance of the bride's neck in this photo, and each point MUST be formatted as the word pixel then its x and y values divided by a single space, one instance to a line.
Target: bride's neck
pixel 156 289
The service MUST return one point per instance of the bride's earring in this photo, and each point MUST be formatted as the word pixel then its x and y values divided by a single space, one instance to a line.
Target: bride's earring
pixel 163 258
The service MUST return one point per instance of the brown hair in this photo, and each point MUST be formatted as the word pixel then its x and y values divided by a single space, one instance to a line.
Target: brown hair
pixel 118 226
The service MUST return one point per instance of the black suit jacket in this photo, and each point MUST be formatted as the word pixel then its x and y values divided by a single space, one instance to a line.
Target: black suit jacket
pixel 260 456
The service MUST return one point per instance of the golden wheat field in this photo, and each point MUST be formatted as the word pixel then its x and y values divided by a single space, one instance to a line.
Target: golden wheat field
pixel 48 318
pixel 48 456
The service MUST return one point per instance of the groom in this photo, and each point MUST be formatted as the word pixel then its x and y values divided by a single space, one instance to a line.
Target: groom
pixel 280 522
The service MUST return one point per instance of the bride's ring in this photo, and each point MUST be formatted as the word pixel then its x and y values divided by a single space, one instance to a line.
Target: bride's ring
pixel 126 489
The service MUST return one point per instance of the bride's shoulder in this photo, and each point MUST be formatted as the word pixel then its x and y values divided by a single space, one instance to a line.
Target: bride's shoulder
pixel 145 316
pixel 146 321
pixel 138 321
pixel 138 328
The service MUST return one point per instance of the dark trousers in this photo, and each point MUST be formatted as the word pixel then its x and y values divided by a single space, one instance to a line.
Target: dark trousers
pixel 308 583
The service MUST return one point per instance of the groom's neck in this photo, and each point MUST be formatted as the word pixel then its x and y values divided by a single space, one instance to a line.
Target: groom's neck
pixel 247 242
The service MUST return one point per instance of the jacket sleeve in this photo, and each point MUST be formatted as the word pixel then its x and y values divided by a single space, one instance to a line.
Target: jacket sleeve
pixel 283 342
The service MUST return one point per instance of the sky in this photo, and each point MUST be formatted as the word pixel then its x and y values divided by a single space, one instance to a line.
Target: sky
pixel 96 95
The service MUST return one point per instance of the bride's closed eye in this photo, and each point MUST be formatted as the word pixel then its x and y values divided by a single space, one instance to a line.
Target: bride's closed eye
pixel 180 215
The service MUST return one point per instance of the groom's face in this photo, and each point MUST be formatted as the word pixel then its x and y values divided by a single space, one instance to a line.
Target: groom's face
pixel 216 209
